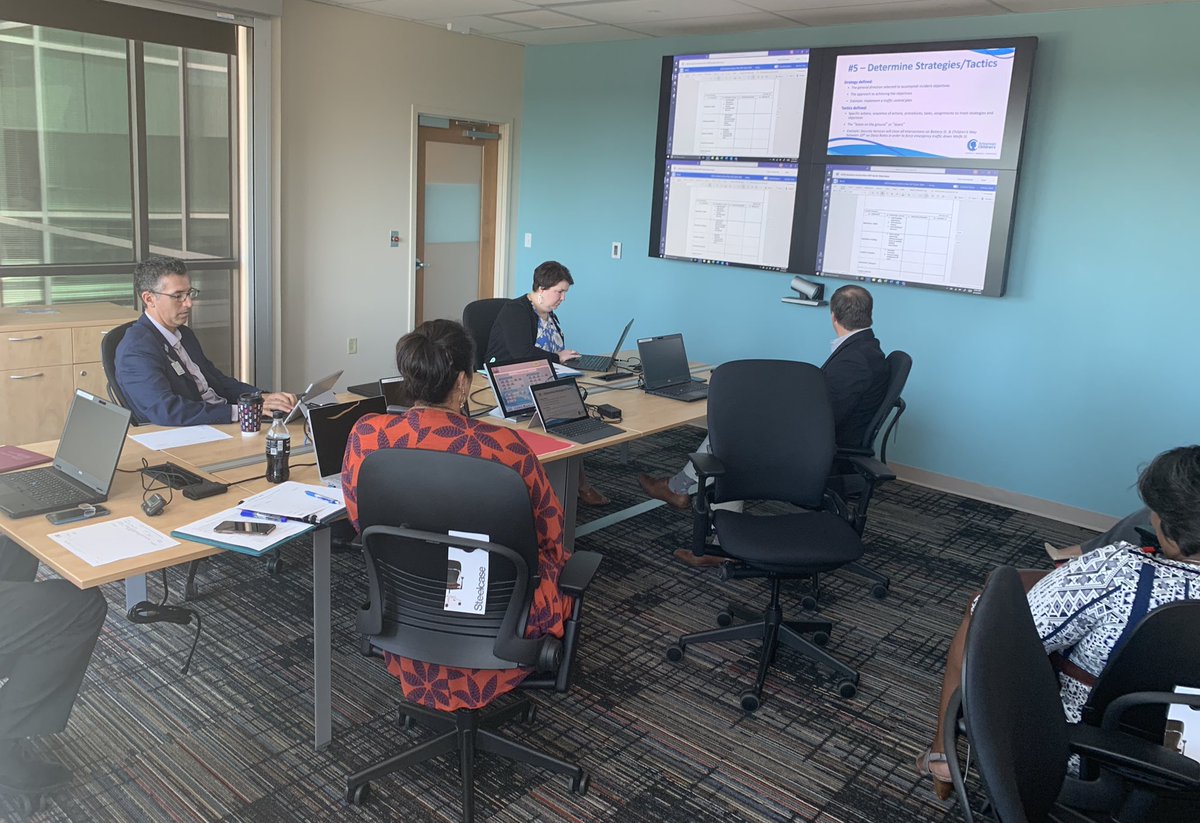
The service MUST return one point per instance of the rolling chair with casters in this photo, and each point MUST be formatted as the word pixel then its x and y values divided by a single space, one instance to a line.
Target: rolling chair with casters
pixel 770 428
pixel 1013 716
pixel 408 501
pixel 851 487
pixel 478 317
pixel 108 358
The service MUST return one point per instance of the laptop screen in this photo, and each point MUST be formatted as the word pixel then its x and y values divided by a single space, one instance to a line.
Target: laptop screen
pixel 92 440
pixel 664 361
pixel 331 427
pixel 511 381
pixel 559 402
pixel 392 389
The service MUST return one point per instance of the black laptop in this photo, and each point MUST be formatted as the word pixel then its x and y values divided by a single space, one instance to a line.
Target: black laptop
pixel 599 362
pixel 665 370
pixel 560 405
pixel 330 426
pixel 83 466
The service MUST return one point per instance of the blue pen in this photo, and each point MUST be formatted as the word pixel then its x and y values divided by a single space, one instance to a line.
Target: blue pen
pixel 323 498
pixel 278 518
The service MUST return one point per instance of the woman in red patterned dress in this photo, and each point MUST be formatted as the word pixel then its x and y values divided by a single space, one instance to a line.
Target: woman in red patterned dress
pixel 435 360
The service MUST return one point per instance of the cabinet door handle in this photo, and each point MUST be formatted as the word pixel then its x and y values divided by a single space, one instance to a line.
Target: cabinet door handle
pixel 25 376
pixel 24 339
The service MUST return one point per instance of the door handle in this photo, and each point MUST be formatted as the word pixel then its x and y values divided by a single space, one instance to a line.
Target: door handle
pixel 420 265
pixel 24 339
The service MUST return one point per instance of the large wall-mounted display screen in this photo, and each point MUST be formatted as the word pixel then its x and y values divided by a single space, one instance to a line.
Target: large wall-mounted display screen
pixel 901 161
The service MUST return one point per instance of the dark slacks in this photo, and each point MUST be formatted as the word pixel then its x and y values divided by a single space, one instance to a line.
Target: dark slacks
pixel 1122 530
pixel 47 632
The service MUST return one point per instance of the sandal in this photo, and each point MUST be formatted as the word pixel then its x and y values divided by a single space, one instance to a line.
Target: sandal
pixel 942 787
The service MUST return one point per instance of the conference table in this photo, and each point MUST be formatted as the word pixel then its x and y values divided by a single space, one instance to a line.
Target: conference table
pixel 236 460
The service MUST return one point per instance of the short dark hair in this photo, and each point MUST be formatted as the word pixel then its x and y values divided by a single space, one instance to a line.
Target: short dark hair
pixel 147 273
pixel 550 274
pixel 1170 486
pixel 851 307
pixel 431 357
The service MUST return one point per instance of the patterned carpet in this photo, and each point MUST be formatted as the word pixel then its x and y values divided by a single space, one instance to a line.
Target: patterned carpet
pixel 663 741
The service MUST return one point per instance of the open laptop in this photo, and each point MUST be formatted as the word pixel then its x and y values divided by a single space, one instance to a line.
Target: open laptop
pixel 83 466
pixel 394 394
pixel 560 405
pixel 665 369
pixel 330 426
pixel 598 362
pixel 314 395
pixel 511 380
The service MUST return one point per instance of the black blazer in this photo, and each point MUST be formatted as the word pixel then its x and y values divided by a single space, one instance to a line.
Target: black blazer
pixel 857 376
pixel 160 394
pixel 515 330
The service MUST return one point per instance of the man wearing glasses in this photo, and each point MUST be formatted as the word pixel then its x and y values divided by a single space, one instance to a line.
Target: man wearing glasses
pixel 161 369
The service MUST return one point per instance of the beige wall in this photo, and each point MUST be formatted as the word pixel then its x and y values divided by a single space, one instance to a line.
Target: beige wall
pixel 350 85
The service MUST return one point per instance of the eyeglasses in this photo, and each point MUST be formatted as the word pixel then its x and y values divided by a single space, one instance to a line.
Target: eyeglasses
pixel 179 297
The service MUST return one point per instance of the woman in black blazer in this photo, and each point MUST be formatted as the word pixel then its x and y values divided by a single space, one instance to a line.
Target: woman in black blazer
pixel 527 327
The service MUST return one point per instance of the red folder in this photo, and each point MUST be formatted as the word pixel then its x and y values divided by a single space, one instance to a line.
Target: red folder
pixel 541 443
pixel 14 457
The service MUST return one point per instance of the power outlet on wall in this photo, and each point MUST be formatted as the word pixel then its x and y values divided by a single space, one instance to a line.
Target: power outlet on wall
pixel 616 250
pixel 351 345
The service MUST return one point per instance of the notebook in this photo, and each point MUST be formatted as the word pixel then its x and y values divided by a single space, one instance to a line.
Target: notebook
pixel 15 457
pixel 560 406
pixel 665 369
pixel 330 428
pixel 84 464
pixel 511 380
pixel 598 362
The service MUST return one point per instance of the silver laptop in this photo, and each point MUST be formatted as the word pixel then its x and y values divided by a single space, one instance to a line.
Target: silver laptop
pixel 83 466
pixel 665 370
pixel 330 427
pixel 314 395
pixel 598 362
pixel 560 406
pixel 511 380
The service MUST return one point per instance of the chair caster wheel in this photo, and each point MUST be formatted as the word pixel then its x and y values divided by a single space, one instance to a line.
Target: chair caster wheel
pixel 274 566
pixel 579 784
pixel 879 591
pixel 530 714
pixel 406 721
pixel 750 701
pixel 28 805
pixel 820 638
pixel 675 653
pixel 357 795
pixel 847 688
pixel 808 603
pixel 725 619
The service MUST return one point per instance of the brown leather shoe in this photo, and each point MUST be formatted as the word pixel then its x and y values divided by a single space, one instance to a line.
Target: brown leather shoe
pixel 659 488
pixel 589 495
pixel 698 561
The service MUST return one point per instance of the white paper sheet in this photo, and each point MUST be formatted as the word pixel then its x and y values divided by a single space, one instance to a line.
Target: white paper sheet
pixel 180 436
pixel 98 544
pixel 292 499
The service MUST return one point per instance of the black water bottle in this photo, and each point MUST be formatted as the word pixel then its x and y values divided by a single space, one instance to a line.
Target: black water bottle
pixel 279 447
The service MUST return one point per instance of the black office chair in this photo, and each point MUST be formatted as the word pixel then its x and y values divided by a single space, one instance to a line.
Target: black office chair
pixel 108 358
pixel 1013 717
pixel 770 428
pixel 850 486
pixel 408 501
pixel 478 318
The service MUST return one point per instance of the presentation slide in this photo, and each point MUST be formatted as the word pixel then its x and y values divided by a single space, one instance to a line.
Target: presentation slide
pixel 728 212
pixel 922 226
pixel 738 105
pixel 943 104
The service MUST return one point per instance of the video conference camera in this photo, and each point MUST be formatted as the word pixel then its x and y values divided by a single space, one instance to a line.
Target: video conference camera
pixel 810 293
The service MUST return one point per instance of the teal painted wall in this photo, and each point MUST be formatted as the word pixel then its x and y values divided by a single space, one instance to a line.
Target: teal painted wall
pixel 1062 388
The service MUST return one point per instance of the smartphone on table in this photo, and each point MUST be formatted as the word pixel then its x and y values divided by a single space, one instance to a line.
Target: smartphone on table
pixel 244 527
pixel 87 511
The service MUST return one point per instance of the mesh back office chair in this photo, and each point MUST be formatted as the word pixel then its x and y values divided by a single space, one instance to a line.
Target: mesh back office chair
pixel 408 500
pixel 108 358
pixel 849 485
pixel 478 318
pixel 771 431
pixel 1014 718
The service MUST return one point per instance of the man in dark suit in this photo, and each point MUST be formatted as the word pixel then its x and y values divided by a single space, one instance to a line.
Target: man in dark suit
pixel 856 374
pixel 161 369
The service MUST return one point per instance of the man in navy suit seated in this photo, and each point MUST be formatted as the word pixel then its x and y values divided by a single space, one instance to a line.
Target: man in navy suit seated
pixel 161 369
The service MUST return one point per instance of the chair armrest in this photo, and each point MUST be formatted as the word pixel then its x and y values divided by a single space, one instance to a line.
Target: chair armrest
pixel 706 464
pixel 870 468
pixel 1137 759
pixel 1112 715
pixel 853 451
pixel 577 574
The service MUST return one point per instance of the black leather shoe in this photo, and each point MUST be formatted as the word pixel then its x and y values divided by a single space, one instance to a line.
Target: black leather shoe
pixel 22 772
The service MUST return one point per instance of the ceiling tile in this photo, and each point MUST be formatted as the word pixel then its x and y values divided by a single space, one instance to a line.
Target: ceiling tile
pixel 711 25
pixel 621 12
pixel 798 6
pixel 442 9
pixel 543 19
pixel 901 10
pixel 1062 5
pixel 480 25
pixel 580 34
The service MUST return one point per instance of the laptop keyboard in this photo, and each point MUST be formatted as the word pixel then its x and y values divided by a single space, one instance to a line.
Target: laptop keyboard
pixel 45 486
pixel 683 389
pixel 578 427
pixel 590 362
